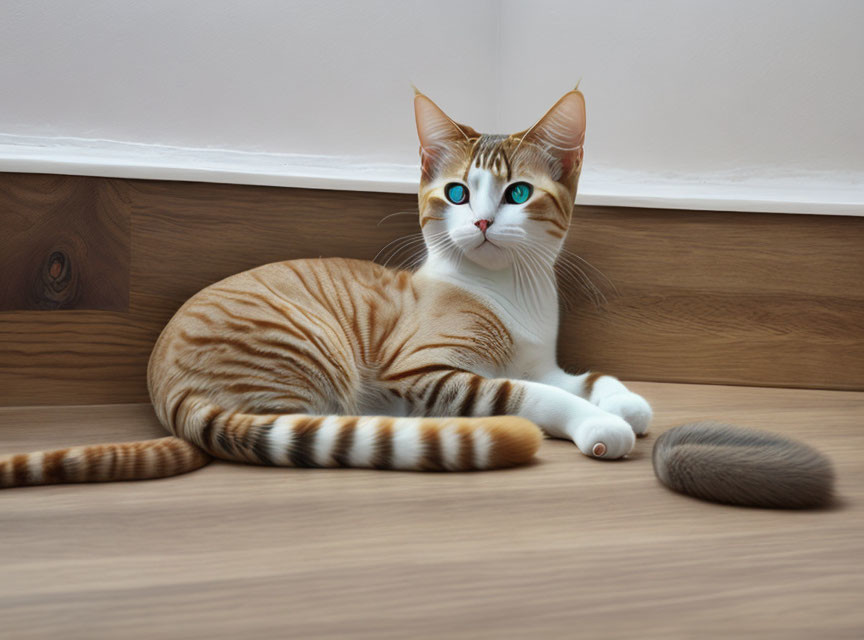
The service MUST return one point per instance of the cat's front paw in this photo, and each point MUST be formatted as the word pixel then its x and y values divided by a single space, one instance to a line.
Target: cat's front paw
pixel 605 437
pixel 630 406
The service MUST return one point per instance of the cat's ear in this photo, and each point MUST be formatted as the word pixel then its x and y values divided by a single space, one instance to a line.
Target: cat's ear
pixel 561 132
pixel 438 133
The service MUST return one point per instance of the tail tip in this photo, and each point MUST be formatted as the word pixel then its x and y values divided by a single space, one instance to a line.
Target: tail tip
pixel 516 440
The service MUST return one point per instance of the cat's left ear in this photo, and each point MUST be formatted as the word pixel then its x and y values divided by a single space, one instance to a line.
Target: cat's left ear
pixel 561 132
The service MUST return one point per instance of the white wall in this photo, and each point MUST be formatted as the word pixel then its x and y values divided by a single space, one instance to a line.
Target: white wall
pixel 739 104
pixel 699 87
pixel 304 77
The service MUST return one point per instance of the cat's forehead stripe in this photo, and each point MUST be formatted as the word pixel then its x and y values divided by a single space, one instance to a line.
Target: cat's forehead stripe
pixel 489 154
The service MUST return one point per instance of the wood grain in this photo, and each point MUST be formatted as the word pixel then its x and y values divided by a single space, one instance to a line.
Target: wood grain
pixel 569 547
pixel 739 298
pixel 64 245
pixel 721 297
pixel 184 237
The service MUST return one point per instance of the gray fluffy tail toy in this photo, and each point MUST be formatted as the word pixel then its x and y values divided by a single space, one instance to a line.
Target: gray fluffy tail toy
pixel 749 467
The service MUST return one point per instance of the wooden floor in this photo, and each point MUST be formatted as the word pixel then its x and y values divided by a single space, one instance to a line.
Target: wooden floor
pixel 569 547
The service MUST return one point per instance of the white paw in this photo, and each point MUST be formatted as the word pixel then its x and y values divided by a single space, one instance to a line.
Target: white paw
pixel 630 406
pixel 605 437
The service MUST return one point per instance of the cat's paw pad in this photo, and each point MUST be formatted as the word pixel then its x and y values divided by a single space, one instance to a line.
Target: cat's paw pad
pixel 630 406
pixel 607 437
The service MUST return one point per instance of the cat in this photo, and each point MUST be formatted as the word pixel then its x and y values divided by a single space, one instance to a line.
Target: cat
pixel 337 362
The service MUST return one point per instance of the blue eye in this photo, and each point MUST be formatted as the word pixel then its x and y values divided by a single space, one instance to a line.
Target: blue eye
pixel 456 193
pixel 518 193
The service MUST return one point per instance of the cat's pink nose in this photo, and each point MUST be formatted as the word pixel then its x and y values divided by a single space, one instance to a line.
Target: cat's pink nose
pixel 482 225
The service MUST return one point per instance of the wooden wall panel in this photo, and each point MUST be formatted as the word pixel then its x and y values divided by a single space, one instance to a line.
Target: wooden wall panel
pixel 184 236
pixel 720 297
pixel 64 244
pixel 739 298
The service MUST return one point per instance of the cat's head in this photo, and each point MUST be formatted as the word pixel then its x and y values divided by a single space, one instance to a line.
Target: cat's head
pixel 499 198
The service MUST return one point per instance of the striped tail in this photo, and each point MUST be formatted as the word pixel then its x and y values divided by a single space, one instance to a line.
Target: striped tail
pixel 422 444
pixel 144 460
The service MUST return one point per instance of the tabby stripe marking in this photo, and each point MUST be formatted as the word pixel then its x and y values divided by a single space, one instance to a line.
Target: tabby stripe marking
pixel 502 398
pixel 466 455
pixel 436 390
pixel 310 369
pixel 557 223
pixel 303 447
pixel 397 351
pixel 444 345
pixel 247 387
pixel 176 455
pixel 223 444
pixel 53 469
pixel 258 322
pixel 383 456
pixel 419 371
pixel 470 397
pixel 173 420
pixel 202 317
pixel 501 334
pixel 205 434
pixel 261 443
pixel 309 290
pixel 311 317
pixel 20 470
pixel 432 453
pixel 160 461
pixel 344 442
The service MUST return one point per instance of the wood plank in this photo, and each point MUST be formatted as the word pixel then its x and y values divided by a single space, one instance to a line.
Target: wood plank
pixel 715 297
pixel 719 297
pixel 65 244
pixel 184 237
pixel 568 547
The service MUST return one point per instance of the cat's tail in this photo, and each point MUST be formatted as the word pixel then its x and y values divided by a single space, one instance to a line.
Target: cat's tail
pixel 422 444
pixel 377 442
pixel 734 465
pixel 143 460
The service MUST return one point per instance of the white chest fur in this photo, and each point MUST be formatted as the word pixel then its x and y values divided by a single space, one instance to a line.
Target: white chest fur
pixel 529 310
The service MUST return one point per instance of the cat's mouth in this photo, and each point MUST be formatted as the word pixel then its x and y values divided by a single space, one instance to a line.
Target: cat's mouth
pixel 488 254
pixel 486 240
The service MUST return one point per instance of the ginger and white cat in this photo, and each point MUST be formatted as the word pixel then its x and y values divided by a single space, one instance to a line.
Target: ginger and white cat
pixel 336 362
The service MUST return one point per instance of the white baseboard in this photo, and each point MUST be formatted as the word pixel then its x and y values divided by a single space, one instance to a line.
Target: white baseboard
pixel 833 193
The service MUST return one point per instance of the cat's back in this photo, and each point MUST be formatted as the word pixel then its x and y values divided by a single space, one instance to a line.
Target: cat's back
pixel 311 278
pixel 326 309
pixel 305 291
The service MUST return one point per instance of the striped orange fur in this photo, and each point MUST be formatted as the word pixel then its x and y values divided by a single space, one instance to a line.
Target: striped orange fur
pixel 336 362
pixel 283 364
pixel 277 366
pixel 157 458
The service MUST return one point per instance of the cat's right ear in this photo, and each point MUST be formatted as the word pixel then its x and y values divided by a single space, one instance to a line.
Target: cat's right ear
pixel 437 132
